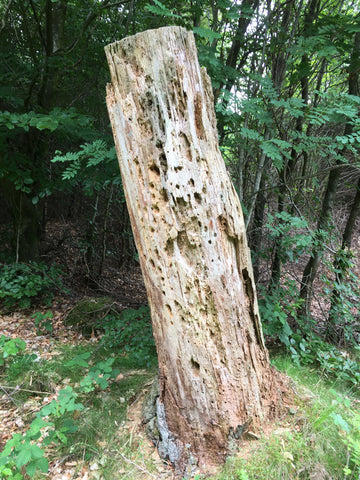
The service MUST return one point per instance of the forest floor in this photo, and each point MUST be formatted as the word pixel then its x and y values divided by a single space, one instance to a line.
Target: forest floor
pixel 131 454
pixel 136 457
pixel 16 413
pixel 120 450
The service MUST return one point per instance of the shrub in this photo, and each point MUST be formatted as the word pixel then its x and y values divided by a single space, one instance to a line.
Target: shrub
pixel 21 283
pixel 9 347
pixel 342 326
pixel 333 362
pixel 131 331
pixel 90 313
pixel 277 308
pixel 43 322
pixel 26 451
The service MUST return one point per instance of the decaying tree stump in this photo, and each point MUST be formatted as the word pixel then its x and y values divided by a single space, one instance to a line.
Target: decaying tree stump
pixel 214 371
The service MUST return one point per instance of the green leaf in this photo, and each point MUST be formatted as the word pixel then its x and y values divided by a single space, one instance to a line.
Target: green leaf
pixel 23 457
pixel 340 422
pixel 102 382
pixel 250 134
pixel 40 463
pixel 69 426
pixel 62 437
pixel 14 441
pixel 206 33
pixel 37 424
pixel 79 360
pixel 48 409
pixel 273 152
pixel 160 9
pixel 36 452
pixel 6 471
pixel 31 468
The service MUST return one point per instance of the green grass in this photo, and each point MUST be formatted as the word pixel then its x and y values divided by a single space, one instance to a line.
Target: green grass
pixel 100 434
pixel 308 443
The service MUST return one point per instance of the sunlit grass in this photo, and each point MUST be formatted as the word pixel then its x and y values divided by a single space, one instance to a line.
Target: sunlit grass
pixel 307 443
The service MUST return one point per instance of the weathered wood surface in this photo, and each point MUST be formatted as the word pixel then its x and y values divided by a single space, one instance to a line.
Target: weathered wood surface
pixel 190 234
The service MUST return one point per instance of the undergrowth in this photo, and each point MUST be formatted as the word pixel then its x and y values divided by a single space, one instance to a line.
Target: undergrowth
pixel 91 386
pixel 319 439
pixel 23 283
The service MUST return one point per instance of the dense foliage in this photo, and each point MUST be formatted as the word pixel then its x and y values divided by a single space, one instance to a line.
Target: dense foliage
pixel 285 76
pixel 286 83
pixel 21 283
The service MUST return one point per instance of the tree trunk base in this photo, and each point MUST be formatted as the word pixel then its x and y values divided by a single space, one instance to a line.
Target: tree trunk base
pixel 156 428
pixel 184 461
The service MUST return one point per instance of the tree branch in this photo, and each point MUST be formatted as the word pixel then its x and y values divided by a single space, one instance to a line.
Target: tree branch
pixel 91 16
pixel 7 8
pixel 5 387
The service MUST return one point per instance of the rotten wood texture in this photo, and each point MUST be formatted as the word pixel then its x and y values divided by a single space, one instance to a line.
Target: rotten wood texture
pixel 188 226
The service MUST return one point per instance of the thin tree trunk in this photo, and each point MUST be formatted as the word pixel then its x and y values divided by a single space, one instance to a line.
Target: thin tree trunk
pixel 105 229
pixel 26 222
pixel 89 254
pixel 234 52
pixel 286 173
pixel 329 198
pixel 214 370
pixel 341 267
pixel 257 181
pixel 354 213
pixel 256 233
pixel 312 266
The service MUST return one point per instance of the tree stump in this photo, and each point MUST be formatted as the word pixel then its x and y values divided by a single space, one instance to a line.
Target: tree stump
pixel 214 372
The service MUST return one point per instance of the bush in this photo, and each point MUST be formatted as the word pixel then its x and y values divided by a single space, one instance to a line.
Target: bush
pixel 89 314
pixel 131 331
pixel 22 283
pixel 342 326
pixel 311 350
pixel 9 347
pixel 278 310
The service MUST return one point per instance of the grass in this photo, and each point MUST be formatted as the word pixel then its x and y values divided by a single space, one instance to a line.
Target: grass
pixel 101 432
pixel 310 443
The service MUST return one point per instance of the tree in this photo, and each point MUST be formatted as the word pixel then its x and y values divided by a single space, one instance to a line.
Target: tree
pixel 342 260
pixel 286 171
pixel 51 60
pixel 324 221
pixel 215 376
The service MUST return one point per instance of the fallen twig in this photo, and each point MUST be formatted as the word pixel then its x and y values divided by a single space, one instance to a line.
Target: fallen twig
pixel 137 466
pixel 5 387
pixel 10 397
